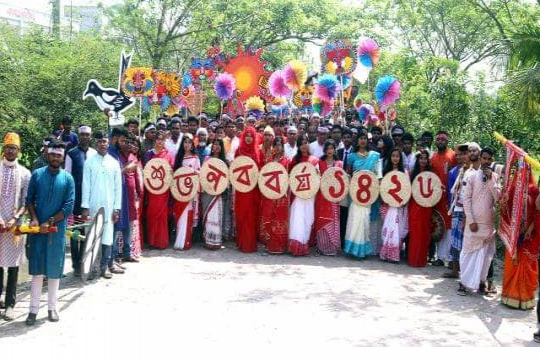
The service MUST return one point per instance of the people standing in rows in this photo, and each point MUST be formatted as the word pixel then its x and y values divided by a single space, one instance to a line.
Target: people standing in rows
pixel 327 231
pixel 74 164
pixel 14 181
pixel 481 190
pixel 186 213
pixel 302 211
pixel 157 205
pixel 419 216
pixel 50 199
pixel 102 188
pixel 395 219
pixel 357 237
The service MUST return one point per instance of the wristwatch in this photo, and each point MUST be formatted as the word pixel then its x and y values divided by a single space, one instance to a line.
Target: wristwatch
pixel 51 221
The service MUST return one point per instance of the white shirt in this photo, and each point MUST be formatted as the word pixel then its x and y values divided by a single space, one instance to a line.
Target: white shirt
pixel 235 143
pixel 408 161
pixel 173 147
pixel 316 149
pixel 290 151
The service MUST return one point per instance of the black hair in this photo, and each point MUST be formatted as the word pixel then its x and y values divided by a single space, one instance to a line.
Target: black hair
pixel 337 127
pixel 119 131
pixel 181 152
pixel 463 147
pixel 327 144
pixel 221 155
pixel 416 169
pixel 377 128
pixel 388 166
pixel 360 134
pixel 50 138
pixel 132 121
pixel 174 121
pixel 99 135
pixel 388 145
pixel 487 150
pixel 298 157
pixel 408 137
pixel 66 120
pixel 193 119
pixel 280 139
pixel 57 144
pixel 427 134
pixel 442 132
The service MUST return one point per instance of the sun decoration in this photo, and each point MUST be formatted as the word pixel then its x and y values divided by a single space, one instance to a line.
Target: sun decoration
pixel 138 81
pixel 247 69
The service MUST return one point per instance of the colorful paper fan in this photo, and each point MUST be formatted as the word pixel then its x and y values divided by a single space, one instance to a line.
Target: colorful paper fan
pixel 295 74
pixel 327 87
pixel 138 81
pixel 345 81
pixel 365 112
pixel 387 90
pixel 173 84
pixel 368 52
pixel 247 68
pixel 327 107
pixel 277 85
pixel 225 86
pixel 254 103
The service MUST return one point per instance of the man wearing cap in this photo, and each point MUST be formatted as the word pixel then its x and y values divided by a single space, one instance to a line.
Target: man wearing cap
pixel 41 161
pixel 74 164
pixel 50 199
pixel 397 135
pixel 102 188
pixel 316 147
pixel 14 179
pixel 315 119
pixel 442 161
pixel 266 146
pixel 290 147
pixel 172 143
pixel 161 124
pixel 203 120
pixel 202 150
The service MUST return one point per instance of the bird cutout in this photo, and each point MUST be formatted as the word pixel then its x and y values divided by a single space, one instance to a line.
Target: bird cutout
pixel 115 100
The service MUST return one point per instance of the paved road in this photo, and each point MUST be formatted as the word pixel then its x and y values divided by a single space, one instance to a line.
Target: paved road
pixel 188 299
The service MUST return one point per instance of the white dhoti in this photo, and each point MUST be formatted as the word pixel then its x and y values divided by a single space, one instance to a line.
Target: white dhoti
pixel 474 265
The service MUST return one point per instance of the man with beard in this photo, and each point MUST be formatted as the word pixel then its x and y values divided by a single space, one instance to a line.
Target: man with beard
pixel 455 200
pixel 442 161
pixel 290 147
pixel 75 160
pixel 312 133
pixel 335 134
pixel 376 134
pixel 481 190
pixel 193 125
pixel 50 199
pixel 202 150
pixel 14 179
pixel 175 139
pixel 316 147
pixel 102 178
pixel 397 136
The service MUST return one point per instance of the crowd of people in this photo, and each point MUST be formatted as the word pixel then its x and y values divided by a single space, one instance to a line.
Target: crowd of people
pixel 72 180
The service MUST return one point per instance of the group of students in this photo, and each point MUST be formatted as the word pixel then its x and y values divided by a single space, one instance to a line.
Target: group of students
pixel 111 177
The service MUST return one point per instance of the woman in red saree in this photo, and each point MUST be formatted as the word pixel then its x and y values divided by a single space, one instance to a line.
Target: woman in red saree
pixel 419 227
pixel 246 205
pixel 186 212
pixel 274 214
pixel 327 213
pixel 520 278
pixel 157 207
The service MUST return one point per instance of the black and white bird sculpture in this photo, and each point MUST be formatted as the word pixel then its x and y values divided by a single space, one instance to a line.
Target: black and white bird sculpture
pixel 108 98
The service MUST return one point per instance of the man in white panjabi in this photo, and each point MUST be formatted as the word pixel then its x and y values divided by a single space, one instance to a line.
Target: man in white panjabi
pixel 481 190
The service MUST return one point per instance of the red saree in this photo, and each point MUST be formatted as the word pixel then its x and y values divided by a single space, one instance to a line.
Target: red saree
pixel 326 226
pixel 246 206
pixel 520 279
pixel 157 209
pixel 419 234
pixel 274 221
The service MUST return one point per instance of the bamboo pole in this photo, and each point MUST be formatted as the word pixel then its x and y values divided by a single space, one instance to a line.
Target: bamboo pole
pixel 531 161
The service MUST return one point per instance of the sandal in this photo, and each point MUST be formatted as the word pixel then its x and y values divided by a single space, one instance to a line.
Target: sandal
pixel 450 275
pixel 462 291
